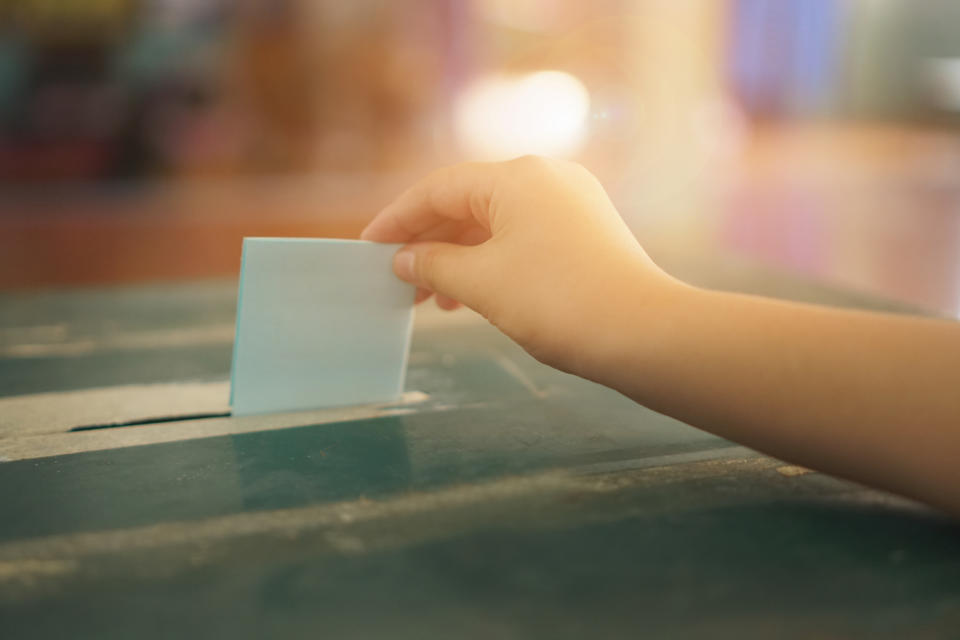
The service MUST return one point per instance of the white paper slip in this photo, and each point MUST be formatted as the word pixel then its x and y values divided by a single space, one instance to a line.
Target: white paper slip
pixel 320 323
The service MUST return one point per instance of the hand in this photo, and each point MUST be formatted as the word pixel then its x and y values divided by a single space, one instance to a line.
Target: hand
pixel 534 245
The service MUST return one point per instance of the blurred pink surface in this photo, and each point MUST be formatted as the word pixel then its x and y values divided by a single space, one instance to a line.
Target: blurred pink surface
pixel 876 209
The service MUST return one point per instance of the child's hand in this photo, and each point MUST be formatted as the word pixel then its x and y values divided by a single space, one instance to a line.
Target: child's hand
pixel 534 245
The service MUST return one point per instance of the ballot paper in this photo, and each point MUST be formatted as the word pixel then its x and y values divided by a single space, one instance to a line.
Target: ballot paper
pixel 320 323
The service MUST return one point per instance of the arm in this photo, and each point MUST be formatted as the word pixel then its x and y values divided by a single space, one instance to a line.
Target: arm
pixel 870 397
pixel 537 248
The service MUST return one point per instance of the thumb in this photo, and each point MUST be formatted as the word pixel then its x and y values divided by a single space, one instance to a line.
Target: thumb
pixel 444 268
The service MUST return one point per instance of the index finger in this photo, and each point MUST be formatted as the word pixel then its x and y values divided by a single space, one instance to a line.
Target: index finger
pixel 460 193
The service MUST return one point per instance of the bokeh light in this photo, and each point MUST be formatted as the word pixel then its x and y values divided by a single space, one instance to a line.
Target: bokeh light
pixel 792 131
pixel 503 116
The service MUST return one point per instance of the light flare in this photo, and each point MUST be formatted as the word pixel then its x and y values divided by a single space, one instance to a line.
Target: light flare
pixel 504 116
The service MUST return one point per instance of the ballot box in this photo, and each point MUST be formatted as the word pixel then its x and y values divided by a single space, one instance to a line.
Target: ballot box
pixel 495 498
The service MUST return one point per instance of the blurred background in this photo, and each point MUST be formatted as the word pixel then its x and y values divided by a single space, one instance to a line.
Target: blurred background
pixel 140 140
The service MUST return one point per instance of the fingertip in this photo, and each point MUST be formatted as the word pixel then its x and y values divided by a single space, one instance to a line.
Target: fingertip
pixel 403 264
pixel 385 228
pixel 421 295
pixel 374 230
pixel 369 232
pixel 447 303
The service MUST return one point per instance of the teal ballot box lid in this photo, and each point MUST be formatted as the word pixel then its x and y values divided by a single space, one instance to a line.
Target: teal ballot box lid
pixel 320 323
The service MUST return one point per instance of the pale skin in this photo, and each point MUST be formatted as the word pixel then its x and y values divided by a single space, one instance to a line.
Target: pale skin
pixel 536 247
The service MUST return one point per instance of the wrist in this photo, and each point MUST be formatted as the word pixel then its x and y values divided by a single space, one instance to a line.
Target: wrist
pixel 636 332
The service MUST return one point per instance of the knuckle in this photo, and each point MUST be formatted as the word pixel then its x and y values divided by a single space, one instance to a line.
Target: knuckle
pixel 530 162
pixel 577 168
pixel 577 171
pixel 551 168
pixel 426 266
pixel 437 175
pixel 472 166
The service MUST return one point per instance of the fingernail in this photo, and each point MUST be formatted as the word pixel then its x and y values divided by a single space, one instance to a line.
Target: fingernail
pixel 403 265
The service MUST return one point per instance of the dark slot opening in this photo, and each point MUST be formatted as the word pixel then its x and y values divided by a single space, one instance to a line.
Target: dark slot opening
pixel 157 420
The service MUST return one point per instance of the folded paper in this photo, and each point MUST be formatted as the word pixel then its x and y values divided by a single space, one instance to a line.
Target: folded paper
pixel 320 323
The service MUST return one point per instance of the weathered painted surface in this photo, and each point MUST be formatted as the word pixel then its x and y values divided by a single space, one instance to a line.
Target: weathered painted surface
pixel 508 501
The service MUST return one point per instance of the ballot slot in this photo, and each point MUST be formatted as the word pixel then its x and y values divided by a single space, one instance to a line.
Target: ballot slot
pixel 63 422
pixel 153 420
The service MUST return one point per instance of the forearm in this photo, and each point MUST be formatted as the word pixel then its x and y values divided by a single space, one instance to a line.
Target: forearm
pixel 874 398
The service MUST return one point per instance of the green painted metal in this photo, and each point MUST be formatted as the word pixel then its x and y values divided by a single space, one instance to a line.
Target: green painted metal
pixel 515 502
